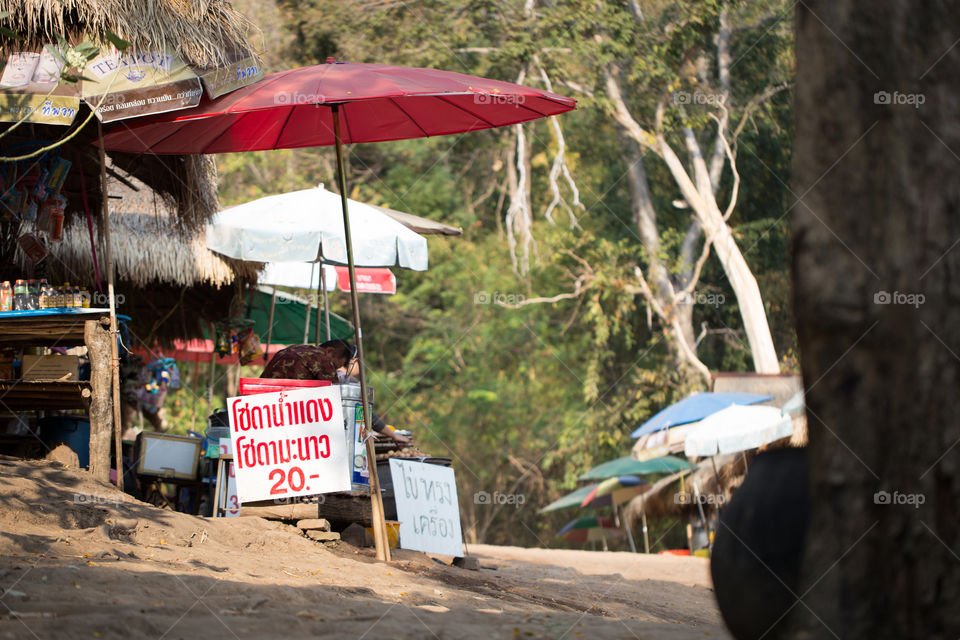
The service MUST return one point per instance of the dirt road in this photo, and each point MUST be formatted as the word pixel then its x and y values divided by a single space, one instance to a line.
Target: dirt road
pixel 80 560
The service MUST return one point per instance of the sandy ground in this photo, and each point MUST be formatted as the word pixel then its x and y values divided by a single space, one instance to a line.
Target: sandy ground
pixel 80 560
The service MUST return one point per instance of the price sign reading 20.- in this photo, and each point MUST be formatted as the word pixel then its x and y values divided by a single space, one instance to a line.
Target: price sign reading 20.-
pixel 289 443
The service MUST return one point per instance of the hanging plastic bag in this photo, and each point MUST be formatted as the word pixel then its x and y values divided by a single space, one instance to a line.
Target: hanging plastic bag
pixel 249 347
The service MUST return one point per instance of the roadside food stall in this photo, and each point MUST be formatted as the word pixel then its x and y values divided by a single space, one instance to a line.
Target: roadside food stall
pixel 63 62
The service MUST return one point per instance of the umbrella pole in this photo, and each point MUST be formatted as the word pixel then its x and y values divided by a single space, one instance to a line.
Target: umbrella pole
pixel 376 499
pixel 273 306
pixel 326 301
pixel 643 520
pixel 306 322
pixel 319 315
pixel 114 333
pixel 626 526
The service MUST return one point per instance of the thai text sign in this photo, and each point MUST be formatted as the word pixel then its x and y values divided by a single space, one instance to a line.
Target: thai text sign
pixel 427 507
pixel 369 280
pixel 288 443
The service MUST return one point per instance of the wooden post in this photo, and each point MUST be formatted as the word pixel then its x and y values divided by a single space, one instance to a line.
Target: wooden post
pixel 97 338
pixel 629 531
pixel 643 519
pixel 114 333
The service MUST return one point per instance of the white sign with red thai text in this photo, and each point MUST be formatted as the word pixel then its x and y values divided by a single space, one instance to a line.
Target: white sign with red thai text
pixel 288 443
pixel 369 280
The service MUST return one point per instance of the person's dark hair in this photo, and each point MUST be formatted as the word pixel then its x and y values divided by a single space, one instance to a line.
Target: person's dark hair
pixel 342 348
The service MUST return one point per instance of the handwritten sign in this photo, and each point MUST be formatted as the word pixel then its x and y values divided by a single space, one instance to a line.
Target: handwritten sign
pixel 427 507
pixel 288 443
pixel 231 504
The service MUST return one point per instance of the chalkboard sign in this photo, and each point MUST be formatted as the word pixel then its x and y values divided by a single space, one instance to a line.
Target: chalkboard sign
pixel 427 507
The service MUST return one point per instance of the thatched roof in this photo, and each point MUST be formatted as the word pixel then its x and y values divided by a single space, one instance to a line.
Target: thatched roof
pixel 148 246
pixel 663 498
pixel 203 32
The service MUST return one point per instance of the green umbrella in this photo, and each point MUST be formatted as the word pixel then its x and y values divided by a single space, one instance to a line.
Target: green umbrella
pixel 570 500
pixel 628 466
pixel 289 318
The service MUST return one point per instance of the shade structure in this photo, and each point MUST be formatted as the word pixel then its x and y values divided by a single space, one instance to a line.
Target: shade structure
pixel 366 103
pixel 696 407
pixel 661 443
pixel 629 466
pixel 289 317
pixel 572 499
pixel 298 275
pixel 614 491
pixel 378 103
pixel 737 428
pixel 307 225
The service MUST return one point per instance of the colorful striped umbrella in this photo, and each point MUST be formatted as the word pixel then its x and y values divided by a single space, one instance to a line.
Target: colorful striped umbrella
pixel 614 491
pixel 589 529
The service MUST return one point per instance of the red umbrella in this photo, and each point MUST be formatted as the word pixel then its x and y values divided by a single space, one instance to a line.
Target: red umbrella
pixel 377 102
pixel 365 103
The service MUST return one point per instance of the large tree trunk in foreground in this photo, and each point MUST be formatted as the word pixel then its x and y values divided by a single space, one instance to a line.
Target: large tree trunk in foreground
pixel 879 211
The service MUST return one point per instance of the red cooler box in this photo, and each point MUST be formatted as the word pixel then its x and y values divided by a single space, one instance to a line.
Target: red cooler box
pixel 253 386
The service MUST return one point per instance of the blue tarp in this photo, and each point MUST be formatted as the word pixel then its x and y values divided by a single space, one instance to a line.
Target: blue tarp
pixel 695 408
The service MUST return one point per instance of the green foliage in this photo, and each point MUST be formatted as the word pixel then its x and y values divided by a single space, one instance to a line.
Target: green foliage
pixel 525 399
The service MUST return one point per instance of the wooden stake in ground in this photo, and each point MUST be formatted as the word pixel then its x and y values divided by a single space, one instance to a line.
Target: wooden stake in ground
pixel 117 423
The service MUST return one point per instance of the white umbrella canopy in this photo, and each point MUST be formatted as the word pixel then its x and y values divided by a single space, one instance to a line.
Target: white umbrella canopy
pixel 299 275
pixel 307 226
pixel 737 428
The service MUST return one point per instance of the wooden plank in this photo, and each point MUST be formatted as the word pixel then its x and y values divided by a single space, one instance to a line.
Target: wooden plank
pixel 22 395
pixel 267 509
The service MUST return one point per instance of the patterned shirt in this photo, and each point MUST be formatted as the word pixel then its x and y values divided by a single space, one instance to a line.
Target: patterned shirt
pixel 301 362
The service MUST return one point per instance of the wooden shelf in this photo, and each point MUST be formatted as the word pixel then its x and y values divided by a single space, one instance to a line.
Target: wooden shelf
pixel 22 395
pixel 55 330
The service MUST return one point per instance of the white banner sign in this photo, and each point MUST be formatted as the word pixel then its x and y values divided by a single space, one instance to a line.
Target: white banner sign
pixel 288 443
pixel 427 507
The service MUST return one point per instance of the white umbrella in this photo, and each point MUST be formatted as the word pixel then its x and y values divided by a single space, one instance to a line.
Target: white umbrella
pixel 288 228
pixel 299 275
pixel 737 428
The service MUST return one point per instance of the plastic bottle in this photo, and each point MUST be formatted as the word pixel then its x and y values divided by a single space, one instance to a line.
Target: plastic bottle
pixel 6 296
pixel 19 295
pixel 77 298
pixel 43 298
pixel 33 295
pixel 67 295
pixel 85 294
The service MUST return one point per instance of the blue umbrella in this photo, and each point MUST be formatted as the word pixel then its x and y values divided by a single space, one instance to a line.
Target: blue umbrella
pixel 695 408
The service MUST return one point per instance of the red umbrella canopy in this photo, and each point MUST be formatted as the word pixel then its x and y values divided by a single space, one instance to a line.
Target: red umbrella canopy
pixel 377 102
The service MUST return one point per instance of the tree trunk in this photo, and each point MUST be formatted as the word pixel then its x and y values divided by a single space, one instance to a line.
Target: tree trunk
pixel 97 339
pixel 875 234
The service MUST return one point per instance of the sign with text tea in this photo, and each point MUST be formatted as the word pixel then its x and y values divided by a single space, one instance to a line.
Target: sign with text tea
pixel 288 443
pixel 427 507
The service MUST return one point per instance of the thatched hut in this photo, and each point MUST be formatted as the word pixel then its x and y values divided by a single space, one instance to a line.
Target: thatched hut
pixel 206 34
pixel 167 280
pixel 677 495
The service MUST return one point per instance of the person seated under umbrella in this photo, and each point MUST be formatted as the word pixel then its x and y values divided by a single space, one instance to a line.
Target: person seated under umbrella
pixel 333 361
